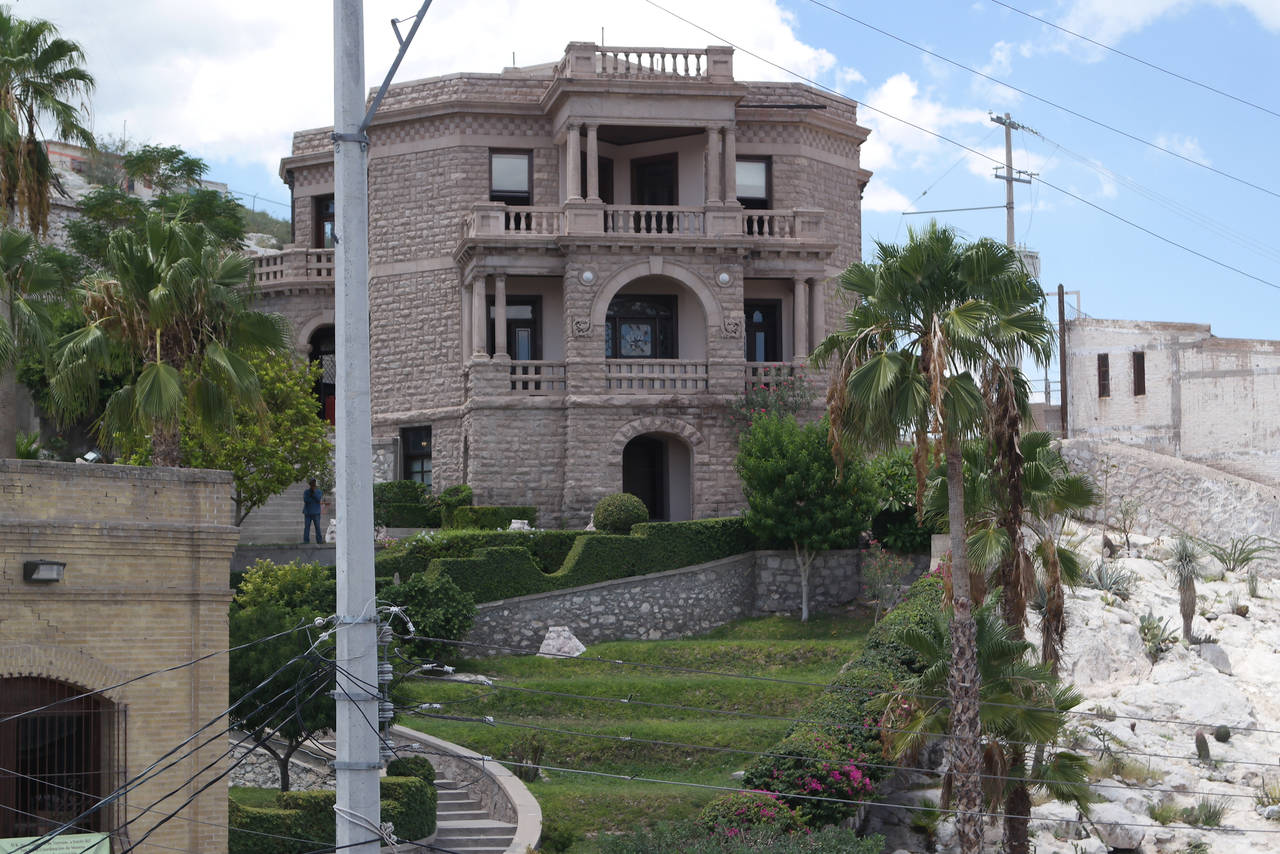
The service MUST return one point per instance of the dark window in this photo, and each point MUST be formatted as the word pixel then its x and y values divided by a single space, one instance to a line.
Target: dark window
pixel 654 182
pixel 415 444
pixel 326 390
pixel 324 219
pixel 1104 375
pixel 604 167
pixel 1139 373
pixel 763 335
pixel 640 327
pixel 755 182
pixel 524 328
pixel 511 177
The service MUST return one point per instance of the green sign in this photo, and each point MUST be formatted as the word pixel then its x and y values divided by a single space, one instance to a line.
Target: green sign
pixel 67 843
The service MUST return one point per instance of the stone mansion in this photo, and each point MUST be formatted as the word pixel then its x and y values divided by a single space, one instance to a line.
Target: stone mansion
pixel 576 268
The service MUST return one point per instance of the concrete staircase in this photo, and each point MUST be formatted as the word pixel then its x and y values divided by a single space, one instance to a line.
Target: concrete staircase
pixel 462 825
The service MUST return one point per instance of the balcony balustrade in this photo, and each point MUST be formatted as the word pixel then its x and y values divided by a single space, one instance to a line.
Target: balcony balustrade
pixel 586 60
pixel 654 219
pixel 655 375
pixel 537 377
pixel 293 265
pixel 494 219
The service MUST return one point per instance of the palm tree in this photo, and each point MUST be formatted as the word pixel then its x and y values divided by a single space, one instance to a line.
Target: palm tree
pixel 1186 569
pixel 929 317
pixel 1022 703
pixel 173 315
pixel 25 285
pixel 1050 493
pixel 41 74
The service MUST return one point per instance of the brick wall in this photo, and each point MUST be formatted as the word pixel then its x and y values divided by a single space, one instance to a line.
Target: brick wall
pixel 147 555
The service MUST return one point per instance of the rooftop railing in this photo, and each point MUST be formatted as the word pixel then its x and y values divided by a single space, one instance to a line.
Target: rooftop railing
pixel 585 60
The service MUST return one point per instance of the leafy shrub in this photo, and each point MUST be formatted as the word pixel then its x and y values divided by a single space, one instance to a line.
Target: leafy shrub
pixel 692 838
pixel 486 517
pixel 409 803
pixel 28 446
pixel 415 554
pixel 619 512
pixel 313 814
pixel 412 766
pixel 917 609
pixel 556 838
pixel 1110 577
pixel 494 573
pixel 405 504
pixel 821 762
pixel 253 830
pixel 400 492
pixel 730 814
pixel 882 577
pixel 437 607
pixel 526 753
pixel 893 475
pixel 776 392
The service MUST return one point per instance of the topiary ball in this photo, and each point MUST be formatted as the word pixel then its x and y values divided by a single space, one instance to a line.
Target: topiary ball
pixel 412 766
pixel 617 513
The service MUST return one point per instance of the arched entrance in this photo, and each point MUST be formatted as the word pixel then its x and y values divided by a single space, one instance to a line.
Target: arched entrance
pixel 57 757
pixel 323 350
pixel 658 469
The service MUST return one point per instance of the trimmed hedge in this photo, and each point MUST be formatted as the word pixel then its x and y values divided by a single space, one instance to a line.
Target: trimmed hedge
pixel 655 547
pixel 412 766
pixel 489 517
pixel 405 504
pixel 409 803
pixel 849 733
pixel 493 573
pixel 548 549
pixel 400 492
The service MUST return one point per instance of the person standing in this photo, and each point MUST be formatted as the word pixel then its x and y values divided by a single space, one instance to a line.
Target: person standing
pixel 311 511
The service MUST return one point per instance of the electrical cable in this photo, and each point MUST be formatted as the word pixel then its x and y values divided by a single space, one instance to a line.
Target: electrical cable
pixel 1046 101
pixel 490 721
pixel 962 145
pixel 1139 60
pixel 670 668
pixel 130 681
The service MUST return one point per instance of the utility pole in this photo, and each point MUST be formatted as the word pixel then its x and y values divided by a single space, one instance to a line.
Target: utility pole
pixel 358 760
pixel 359 757
pixel 1010 177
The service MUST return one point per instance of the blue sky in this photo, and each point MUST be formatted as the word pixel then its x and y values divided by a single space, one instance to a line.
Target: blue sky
pixel 230 84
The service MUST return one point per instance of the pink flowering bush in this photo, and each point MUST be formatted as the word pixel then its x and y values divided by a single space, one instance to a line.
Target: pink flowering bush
pixel 730 816
pixel 820 764
pixel 771 394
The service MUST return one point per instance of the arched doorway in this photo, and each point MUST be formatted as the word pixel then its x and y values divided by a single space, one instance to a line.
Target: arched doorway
pixel 658 469
pixel 57 756
pixel 323 350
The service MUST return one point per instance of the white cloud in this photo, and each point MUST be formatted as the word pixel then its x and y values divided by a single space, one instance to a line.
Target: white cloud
pixel 233 80
pixel 1109 21
pixel 894 144
pixel 882 198
pixel 846 77
pixel 1187 146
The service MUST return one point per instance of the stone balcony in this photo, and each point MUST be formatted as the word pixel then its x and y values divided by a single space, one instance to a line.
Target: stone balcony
pixel 293 267
pixel 541 378
pixel 584 60
pixel 493 220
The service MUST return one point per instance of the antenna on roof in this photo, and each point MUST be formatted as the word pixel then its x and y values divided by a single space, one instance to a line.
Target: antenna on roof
pixel 513 59
pixel 602 35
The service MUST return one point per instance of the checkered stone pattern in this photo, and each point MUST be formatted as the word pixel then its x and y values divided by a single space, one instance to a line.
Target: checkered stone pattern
pixel 457 87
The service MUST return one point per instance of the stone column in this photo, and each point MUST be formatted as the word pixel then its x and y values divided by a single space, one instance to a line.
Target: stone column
pixel 500 316
pixel 730 165
pixel 713 166
pixel 572 162
pixel 479 312
pixel 465 293
pixel 800 319
pixel 593 164
pixel 818 310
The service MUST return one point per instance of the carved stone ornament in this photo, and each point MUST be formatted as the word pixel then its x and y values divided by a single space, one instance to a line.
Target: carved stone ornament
pixel 581 327
pixel 732 327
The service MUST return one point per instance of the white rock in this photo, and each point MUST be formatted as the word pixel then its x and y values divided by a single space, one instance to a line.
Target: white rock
pixel 560 643
pixel 1115 825
pixel 519 525
pixel 1271 813
pixel 1059 819
pixel 1217 656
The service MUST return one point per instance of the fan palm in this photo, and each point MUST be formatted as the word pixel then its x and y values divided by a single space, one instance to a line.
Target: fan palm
pixel 25 287
pixel 931 316
pixel 173 315
pixel 1022 703
pixel 41 74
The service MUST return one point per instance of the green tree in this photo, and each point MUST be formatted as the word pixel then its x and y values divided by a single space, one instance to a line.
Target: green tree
pixel 929 319
pixel 173 315
pixel 797 496
pixel 268 448
pixel 41 75
pixel 26 319
pixel 273 599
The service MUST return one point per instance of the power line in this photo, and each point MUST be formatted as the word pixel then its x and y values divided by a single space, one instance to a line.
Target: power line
pixel 490 721
pixel 1046 101
pixel 959 144
pixel 779 680
pixel 258 198
pixel 1139 60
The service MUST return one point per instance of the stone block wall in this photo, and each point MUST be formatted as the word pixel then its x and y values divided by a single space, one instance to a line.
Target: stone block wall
pixel 147 553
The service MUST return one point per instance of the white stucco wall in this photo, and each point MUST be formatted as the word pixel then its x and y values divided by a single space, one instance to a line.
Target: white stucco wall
pixel 1211 400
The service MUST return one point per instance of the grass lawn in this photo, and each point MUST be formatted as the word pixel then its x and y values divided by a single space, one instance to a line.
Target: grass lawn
pixel 770 646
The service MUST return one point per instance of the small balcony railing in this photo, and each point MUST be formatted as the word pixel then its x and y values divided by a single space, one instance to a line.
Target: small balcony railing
pixel 538 377
pixel 655 375
pixel 654 219
pixel 584 59
pixel 493 219
pixel 293 265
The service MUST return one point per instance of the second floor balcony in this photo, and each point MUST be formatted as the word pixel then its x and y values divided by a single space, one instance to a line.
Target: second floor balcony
pixel 489 220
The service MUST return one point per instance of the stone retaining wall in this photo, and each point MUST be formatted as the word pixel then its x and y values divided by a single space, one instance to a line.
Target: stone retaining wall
pixel 677 603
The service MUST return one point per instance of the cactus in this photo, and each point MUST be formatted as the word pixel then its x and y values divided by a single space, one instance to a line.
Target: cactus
pixel 1202 747
pixel 1222 733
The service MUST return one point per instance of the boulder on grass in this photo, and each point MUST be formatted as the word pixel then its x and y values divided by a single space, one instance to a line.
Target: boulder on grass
pixel 560 643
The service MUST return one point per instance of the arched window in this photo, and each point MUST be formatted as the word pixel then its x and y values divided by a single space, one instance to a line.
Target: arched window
pixel 640 327
pixel 323 350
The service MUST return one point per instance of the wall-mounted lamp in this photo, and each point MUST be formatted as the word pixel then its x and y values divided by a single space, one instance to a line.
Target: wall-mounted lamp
pixel 724 279
pixel 42 570
pixel 587 277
